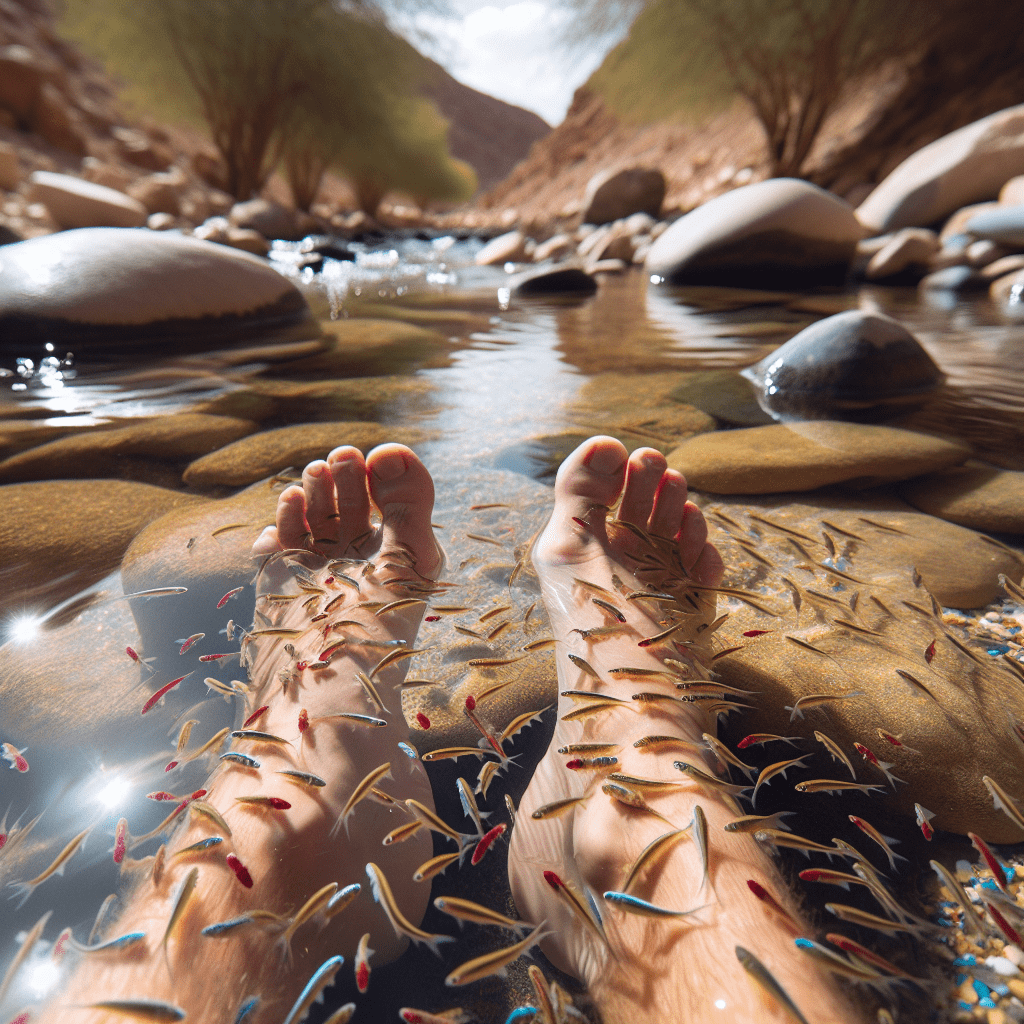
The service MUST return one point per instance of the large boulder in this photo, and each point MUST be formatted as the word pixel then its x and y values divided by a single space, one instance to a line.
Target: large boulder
pixel 853 365
pixel 978 496
pixel 76 203
pixel 805 456
pixel 115 290
pixel 614 194
pixel 967 166
pixel 783 233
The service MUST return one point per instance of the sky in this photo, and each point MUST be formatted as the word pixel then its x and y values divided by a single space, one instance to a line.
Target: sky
pixel 509 49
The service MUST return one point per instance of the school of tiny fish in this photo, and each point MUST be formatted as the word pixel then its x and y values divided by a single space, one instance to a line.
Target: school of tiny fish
pixel 982 902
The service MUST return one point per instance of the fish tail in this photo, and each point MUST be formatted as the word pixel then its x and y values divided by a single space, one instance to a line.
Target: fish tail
pixel 23 890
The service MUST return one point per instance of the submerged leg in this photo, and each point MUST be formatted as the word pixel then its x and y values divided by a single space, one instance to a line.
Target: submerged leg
pixel 648 970
pixel 290 842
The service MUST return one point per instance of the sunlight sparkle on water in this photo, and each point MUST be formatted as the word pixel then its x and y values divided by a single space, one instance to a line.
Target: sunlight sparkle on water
pixel 113 793
pixel 42 977
pixel 23 629
pixel 719 1004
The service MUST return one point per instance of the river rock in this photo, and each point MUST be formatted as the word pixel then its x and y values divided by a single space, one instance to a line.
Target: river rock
pixel 778 233
pixel 724 394
pixel 248 240
pixel 981 497
pixel 907 251
pixel 1012 193
pixel 262 455
pixel 270 219
pixel 1003 266
pixel 205 548
pixel 359 347
pixel 966 166
pixel 58 122
pixel 507 248
pixel 75 203
pixel 959 278
pixel 21 80
pixel 1001 224
pixel 805 456
pixel 853 365
pixel 114 290
pixel 613 194
pixel 10 167
pixel 983 252
pixel 553 281
pixel 555 248
pixel 61 536
pixel 158 193
pixel 116 452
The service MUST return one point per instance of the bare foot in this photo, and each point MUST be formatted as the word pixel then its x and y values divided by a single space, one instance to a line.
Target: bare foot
pixel 326 732
pixel 653 970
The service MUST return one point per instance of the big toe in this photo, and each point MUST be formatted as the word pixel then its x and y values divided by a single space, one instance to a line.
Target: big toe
pixel 403 492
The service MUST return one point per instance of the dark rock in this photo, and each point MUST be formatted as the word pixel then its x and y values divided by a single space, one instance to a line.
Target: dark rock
pixel 954 279
pixel 614 194
pixel 782 233
pixel 857 366
pixel 553 281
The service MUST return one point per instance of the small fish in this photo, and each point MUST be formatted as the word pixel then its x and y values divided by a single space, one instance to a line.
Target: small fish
pixel 29 943
pixel 769 900
pixel 200 847
pixel 557 808
pixel 778 768
pixel 111 945
pixel 520 722
pixel 435 866
pixel 1004 926
pixel 360 793
pixel 924 821
pixel 956 890
pixel 486 540
pixel 882 766
pixel 883 841
pixel 303 778
pixel 162 692
pixel 709 781
pixel 432 821
pixel 755 822
pixel 756 738
pixel 853 915
pixel 317 903
pixel 652 854
pixel 469 805
pixel 157 592
pixel 148 1009
pixel 834 962
pixel 832 786
pixel 228 596
pixel 493 662
pixel 185 734
pixel 403 832
pixel 258 737
pixel 828 877
pixel 644 785
pixel 190 642
pixel 584 666
pixel 776 837
pixel 588 710
pixel 446 753
pixel 180 903
pixel 814 700
pixel 725 755
pixel 1003 802
pixel 382 894
pixel 486 777
pixel 656 744
pixel 322 978
pixel 895 741
pixel 257 714
pixel 582 909
pixel 244 760
pixel 848 945
pixel 835 750
pixel 494 962
pixel 766 980
pixel 599 763
pixel 589 749
pixel 56 867
pixel 466 910
pixel 275 803
pixel 246 1008
pixel 486 842
pixel 210 812
pixel 544 644
pixel 635 905
pixel 214 741
pixel 240 870
pixel 120 840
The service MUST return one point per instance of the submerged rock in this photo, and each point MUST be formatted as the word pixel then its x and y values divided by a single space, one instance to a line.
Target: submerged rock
pixel 805 456
pixel 981 497
pixel 854 365
pixel 966 166
pixel 261 455
pixel 783 233
pixel 119 290
pixel 553 281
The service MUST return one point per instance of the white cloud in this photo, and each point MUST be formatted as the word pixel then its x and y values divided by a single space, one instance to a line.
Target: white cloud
pixel 512 52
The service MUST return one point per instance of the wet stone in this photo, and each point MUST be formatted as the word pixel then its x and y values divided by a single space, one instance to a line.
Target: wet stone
pixel 553 281
pixel 116 451
pixel 805 456
pixel 724 394
pixel 981 497
pixel 61 536
pixel 261 455
pixel 855 365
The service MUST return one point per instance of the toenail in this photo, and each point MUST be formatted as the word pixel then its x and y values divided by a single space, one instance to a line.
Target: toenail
pixel 389 467
pixel 604 460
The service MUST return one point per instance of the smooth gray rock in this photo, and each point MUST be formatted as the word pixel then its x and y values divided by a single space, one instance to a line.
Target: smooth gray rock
pixel 967 166
pixel 77 203
pixel 954 279
pixel 116 290
pixel 782 233
pixel 613 194
pixel 851 366
pixel 1004 224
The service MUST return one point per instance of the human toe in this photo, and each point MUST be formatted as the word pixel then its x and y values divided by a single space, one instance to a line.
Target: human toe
pixel 644 472
pixel 592 476
pixel 352 502
pixel 667 516
pixel 292 526
pixel 321 503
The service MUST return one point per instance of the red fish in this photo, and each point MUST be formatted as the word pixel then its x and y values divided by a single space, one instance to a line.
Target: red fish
pixel 362 963
pixel 882 766
pixel 895 741
pixel 758 632
pixel 764 737
pixel 162 692
pixel 303 720
pixel 256 714
pixel 120 840
pixel 766 897
pixel 188 644
pixel 240 870
pixel 924 821
pixel 170 765
pixel 990 859
pixel 422 720
pixel 14 757
pixel 227 597
pixel 485 843
pixel 929 652
pixel 162 794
